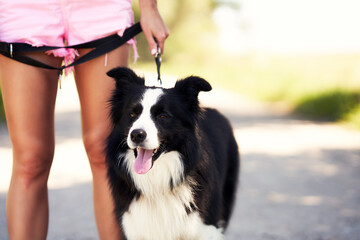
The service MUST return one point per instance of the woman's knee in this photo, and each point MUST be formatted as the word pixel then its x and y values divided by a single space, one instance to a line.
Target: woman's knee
pixel 94 142
pixel 32 161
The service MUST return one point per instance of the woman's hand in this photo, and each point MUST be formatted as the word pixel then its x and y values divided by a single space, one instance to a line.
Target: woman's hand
pixel 152 25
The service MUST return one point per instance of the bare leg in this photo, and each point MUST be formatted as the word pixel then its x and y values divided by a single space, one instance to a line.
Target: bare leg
pixel 29 97
pixel 94 89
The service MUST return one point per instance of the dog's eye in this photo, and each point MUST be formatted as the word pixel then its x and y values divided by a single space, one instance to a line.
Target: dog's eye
pixel 163 116
pixel 135 111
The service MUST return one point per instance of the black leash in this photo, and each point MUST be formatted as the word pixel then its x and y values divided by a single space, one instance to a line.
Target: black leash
pixel 101 46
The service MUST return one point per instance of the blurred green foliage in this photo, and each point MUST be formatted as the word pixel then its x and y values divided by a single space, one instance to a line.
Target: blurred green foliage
pixel 324 87
pixel 353 118
pixel 333 105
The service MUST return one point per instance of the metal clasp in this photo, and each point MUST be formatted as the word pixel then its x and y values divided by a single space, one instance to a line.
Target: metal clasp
pixel 11 50
pixel 158 53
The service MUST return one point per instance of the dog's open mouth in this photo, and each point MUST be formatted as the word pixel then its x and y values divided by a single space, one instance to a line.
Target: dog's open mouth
pixel 145 158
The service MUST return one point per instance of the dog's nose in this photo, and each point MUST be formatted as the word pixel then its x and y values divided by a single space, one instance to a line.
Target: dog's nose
pixel 138 135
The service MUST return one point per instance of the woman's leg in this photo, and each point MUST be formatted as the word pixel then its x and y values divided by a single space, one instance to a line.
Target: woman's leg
pixel 95 88
pixel 29 97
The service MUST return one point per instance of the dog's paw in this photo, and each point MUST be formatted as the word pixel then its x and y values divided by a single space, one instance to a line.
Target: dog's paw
pixel 211 233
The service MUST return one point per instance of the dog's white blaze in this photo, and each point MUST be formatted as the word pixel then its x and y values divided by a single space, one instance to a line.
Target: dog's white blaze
pixel 145 122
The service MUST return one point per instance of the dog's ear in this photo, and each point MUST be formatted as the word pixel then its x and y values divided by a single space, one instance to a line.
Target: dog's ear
pixel 191 86
pixel 125 76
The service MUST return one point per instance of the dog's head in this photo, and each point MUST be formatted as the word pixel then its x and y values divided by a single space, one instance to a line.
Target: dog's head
pixel 154 121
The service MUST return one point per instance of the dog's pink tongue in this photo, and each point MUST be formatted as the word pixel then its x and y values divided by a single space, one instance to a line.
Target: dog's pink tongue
pixel 143 161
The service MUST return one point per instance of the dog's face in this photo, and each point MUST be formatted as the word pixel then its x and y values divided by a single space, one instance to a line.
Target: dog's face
pixel 154 121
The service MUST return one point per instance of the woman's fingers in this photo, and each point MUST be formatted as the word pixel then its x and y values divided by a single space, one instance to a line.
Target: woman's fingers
pixel 154 28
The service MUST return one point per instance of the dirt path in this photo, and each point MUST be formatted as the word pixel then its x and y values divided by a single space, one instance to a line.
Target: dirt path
pixel 300 180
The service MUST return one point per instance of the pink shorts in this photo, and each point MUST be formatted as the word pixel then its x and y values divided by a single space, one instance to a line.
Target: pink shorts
pixel 60 22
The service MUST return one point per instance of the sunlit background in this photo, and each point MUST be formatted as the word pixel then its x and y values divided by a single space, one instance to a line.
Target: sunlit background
pixel 287 74
pixel 289 27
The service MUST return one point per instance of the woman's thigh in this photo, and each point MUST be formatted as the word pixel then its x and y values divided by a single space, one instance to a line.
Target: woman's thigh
pixel 29 98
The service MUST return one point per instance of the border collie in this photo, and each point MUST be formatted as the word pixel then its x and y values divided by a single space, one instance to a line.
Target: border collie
pixel 172 165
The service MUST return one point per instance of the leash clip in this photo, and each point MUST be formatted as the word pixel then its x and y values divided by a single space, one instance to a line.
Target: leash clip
pixel 158 63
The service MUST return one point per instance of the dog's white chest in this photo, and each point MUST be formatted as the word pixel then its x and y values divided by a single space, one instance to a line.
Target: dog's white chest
pixel 160 213
pixel 160 218
pixel 165 218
